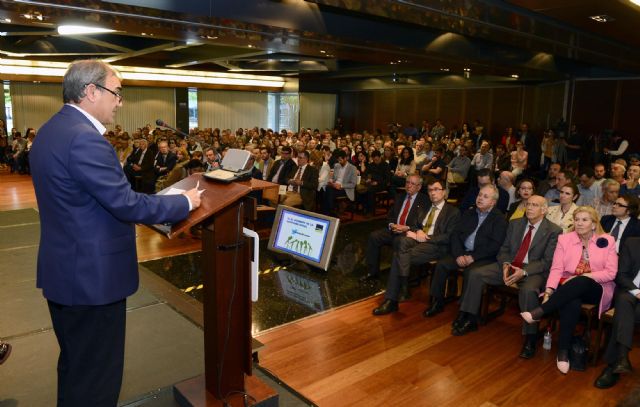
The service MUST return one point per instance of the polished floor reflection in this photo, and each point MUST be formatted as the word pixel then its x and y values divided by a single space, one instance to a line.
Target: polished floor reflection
pixel 294 292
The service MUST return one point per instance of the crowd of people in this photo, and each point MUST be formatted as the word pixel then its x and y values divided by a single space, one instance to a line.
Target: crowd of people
pixel 543 214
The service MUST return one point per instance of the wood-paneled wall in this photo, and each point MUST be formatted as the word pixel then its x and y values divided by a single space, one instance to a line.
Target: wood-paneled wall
pixel 496 108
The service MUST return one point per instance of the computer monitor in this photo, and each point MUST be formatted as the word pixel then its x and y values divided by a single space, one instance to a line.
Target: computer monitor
pixel 304 235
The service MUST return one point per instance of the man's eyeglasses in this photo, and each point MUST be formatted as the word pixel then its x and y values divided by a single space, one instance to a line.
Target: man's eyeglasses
pixel 620 205
pixel 116 94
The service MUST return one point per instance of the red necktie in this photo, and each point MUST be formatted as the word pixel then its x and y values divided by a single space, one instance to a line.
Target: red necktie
pixel 405 211
pixel 524 248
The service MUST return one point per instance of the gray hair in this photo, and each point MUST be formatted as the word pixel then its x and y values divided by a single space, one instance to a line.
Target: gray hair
pixel 495 194
pixel 81 73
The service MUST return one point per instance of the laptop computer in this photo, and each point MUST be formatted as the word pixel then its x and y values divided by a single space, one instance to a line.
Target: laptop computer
pixel 233 167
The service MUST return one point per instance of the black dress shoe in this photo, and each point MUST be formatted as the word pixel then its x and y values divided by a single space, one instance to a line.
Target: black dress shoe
pixel 623 365
pixel 459 320
pixel 607 378
pixel 5 351
pixel 387 307
pixel 436 308
pixel 528 348
pixel 367 278
pixel 466 327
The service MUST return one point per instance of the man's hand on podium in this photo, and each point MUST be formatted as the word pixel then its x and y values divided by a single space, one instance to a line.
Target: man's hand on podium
pixel 194 197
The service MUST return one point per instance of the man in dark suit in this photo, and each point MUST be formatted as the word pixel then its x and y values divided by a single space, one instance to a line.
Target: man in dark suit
pixel 165 160
pixel 283 169
pixel 523 262
pixel 141 165
pixel 474 242
pixel 421 246
pixel 627 314
pixel 623 221
pixel 484 177
pixel 87 263
pixel 303 185
pixel 407 214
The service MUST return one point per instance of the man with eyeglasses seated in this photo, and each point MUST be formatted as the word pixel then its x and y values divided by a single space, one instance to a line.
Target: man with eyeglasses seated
pixel 523 262
pixel 407 214
pixel 623 221
pixel 420 246
pixel 474 242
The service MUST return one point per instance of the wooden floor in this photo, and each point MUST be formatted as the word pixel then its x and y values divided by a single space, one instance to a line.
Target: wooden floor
pixel 347 357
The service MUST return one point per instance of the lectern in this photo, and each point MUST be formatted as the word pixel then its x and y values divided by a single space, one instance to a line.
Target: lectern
pixel 227 303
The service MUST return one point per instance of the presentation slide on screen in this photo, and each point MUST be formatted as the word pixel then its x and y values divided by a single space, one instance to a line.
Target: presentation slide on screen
pixel 301 235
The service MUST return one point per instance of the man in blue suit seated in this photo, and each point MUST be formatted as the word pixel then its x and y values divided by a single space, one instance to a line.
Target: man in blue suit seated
pixel 87 261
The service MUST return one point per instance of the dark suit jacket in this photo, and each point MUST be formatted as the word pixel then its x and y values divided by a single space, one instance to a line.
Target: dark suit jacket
pixel 632 229
pixel 447 221
pixel 415 215
pixel 169 162
pixel 628 264
pixel 287 172
pixel 309 187
pixel 489 237
pixel 87 253
pixel 541 249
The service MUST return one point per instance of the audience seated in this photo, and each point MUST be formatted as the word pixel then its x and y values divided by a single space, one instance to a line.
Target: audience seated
pixel 588 187
pixel 609 194
pixel 584 267
pixel 428 243
pixel 302 187
pixel 474 242
pixel 342 182
pixel 523 262
pixel 631 186
pixel 484 177
pixel 373 179
pixel 459 167
pixel 524 191
pixel 408 211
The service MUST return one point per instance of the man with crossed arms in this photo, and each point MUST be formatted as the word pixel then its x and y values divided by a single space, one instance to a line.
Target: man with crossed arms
pixel 420 246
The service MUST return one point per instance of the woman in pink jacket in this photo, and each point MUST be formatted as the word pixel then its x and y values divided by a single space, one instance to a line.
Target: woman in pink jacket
pixel 584 267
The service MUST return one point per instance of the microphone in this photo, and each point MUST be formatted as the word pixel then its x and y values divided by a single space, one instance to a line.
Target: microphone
pixel 162 123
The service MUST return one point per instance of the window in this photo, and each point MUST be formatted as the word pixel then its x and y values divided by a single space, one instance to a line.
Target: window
pixel 192 98
pixel 283 111
pixel 7 107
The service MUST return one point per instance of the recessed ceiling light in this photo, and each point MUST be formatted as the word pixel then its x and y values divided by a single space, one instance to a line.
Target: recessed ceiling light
pixel 467 69
pixel 515 76
pixel 82 29
pixel 444 69
pixel 636 2
pixel 250 46
pixel 602 18
pixel 7 20
pixel 323 51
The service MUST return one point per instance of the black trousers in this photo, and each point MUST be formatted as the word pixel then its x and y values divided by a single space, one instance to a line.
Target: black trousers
pixel 90 366
pixel 568 299
pixel 627 314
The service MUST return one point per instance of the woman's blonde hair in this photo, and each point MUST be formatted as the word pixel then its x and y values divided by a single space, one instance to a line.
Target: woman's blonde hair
pixel 593 214
pixel 184 153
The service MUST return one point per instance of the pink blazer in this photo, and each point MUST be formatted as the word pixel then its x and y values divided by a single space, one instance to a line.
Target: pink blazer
pixel 603 262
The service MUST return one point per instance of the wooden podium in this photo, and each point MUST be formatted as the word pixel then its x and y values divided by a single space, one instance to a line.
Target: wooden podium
pixel 227 297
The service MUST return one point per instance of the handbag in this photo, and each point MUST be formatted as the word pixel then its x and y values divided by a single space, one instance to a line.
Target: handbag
pixel 579 352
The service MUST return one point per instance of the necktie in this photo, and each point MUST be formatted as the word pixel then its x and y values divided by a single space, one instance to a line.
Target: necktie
pixel 405 211
pixel 616 229
pixel 430 216
pixel 296 188
pixel 524 248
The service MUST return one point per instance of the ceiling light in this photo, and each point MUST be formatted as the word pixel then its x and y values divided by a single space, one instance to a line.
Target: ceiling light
pixel 515 76
pixel 636 2
pixel 467 69
pixel 250 46
pixel 444 69
pixel 58 69
pixel 6 20
pixel 81 29
pixel 323 51
pixel 602 18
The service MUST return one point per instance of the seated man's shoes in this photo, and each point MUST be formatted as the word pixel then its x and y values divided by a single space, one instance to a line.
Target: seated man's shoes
pixel 437 306
pixel 387 307
pixel 623 365
pixel 466 327
pixel 459 320
pixel 5 351
pixel 367 278
pixel 607 378
pixel 528 348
